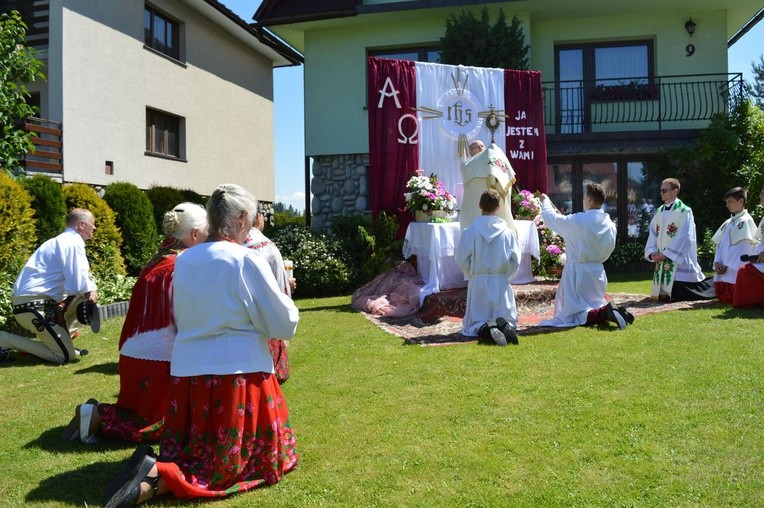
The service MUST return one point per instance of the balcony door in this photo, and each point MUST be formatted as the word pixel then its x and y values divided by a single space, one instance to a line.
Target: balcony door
pixel 583 68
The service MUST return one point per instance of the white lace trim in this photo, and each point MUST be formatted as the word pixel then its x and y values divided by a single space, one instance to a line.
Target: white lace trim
pixel 153 345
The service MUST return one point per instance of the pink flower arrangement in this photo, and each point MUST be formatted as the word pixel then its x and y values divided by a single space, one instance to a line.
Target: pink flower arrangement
pixel 526 206
pixel 426 193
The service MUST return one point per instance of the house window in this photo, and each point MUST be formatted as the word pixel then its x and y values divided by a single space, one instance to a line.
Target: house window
pixel 606 63
pixel 164 134
pixel 424 54
pixel 161 33
pixel 601 72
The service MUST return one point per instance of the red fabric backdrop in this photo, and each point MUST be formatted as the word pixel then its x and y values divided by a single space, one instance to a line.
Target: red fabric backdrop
pixel 526 141
pixel 391 162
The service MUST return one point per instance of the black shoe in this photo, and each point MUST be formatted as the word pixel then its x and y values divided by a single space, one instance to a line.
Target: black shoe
pixel 125 488
pixel 490 331
pixel 5 355
pixel 509 333
pixel 80 352
pixel 613 315
pixel 628 316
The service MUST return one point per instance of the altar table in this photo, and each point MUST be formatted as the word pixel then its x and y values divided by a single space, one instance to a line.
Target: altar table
pixel 434 245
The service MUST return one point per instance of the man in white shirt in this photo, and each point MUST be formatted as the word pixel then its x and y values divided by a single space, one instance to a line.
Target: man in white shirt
pixel 489 255
pixel 673 247
pixel 589 241
pixel 52 283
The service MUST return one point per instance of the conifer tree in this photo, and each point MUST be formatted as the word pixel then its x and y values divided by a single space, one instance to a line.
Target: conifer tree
pixel 472 41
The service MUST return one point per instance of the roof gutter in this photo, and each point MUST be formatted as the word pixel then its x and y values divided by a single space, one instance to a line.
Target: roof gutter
pixel 270 39
pixel 275 44
pixel 288 20
pixel 746 28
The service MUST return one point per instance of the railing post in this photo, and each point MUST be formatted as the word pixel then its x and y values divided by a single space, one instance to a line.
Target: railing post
pixel 660 103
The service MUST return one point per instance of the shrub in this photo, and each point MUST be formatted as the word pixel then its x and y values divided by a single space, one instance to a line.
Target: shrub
pixel 193 197
pixel 354 233
pixel 318 264
pixel 17 225
pixel 628 252
pixel 17 241
pixel 48 204
pixel 134 217
pixel 163 199
pixel 706 249
pixel 114 288
pixel 369 248
pixel 103 250
pixel 6 301
pixel 282 220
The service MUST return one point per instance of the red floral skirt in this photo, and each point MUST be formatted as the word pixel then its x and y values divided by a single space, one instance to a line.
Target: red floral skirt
pixel 138 415
pixel 225 434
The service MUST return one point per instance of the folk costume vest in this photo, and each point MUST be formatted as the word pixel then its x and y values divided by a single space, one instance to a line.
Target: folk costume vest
pixel 666 222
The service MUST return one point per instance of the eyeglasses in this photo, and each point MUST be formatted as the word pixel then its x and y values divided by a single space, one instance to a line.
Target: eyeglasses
pixel 663 191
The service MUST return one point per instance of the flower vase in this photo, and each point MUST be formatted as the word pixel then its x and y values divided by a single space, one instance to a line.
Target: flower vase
pixel 555 271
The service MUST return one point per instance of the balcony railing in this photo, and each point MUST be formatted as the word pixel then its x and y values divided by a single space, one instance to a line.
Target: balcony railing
pixel 35 14
pixel 49 148
pixel 659 103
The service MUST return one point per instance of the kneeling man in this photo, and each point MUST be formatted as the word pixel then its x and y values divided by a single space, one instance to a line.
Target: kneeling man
pixel 488 253
pixel 589 241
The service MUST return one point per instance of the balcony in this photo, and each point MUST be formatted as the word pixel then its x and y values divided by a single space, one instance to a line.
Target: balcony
pixel 660 103
pixel 48 154
pixel 35 14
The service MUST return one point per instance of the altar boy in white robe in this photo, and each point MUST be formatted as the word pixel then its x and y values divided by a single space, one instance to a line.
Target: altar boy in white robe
pixel 734 238
pixel 672 245
pixel 589 241
pixel 489 255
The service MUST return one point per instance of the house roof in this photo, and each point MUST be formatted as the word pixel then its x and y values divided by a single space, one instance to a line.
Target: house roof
pixel 277 12
pixel 264 42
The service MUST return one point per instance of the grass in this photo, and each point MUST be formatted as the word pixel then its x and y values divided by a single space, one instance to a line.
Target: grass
pixel 668 412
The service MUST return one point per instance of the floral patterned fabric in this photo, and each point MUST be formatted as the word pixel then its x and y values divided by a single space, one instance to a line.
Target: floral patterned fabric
pixel 138 415
pixel 225 434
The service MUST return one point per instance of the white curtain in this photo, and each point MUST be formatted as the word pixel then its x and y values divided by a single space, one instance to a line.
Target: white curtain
pixel 437 147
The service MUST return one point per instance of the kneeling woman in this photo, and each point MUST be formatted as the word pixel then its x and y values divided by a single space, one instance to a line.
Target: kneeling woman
pixel 226 425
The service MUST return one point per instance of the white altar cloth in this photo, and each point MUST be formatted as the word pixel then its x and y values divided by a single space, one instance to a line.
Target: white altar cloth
pixel 434 245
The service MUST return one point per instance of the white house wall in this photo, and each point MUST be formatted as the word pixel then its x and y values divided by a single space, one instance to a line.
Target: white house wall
pixel 224 91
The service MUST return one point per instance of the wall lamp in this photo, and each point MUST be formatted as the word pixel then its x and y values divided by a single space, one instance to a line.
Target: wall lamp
pixel 690 26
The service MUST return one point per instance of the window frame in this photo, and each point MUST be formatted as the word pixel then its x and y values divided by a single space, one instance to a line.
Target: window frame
pixel 177 151
pixel 177 39
pixel 421 51
pixel 615 92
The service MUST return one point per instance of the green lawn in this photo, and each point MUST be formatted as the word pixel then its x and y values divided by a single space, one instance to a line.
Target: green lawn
pixel 669 412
